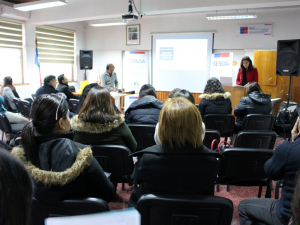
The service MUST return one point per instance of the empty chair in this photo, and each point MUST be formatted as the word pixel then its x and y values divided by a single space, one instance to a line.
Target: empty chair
pixel 33 96
pixel 210 135
pixel 143 134
pixel 245 167
pixel 74 103
pixel 117 162
pixel 255 139
pixel 224 123
pixel 26 107
pixel 40 211
pixel 274 102
pixel 7 128
pixel 184 210
pixel 258 122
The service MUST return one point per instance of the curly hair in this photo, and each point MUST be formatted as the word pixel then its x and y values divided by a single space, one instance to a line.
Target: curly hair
pixel 213 85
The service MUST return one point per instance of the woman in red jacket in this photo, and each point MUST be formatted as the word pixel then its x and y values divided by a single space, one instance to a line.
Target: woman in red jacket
pixel 247 72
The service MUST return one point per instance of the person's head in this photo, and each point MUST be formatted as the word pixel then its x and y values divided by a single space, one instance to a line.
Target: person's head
pixel 7 82
pixel 180 123
pixel 253 87
pixel 98 107
pixel 296 202
pixel 51 80
pixel 213 85
pixel 147 89
pixel 50 115
pixel 62 79
pixel 15 191
pixel 85 92
pixel 173 92
pixel 185 94
pixel 246 63
pixel 110 68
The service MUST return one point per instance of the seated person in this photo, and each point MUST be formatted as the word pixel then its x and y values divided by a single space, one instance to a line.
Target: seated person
pixel 256 103
pixel 146 109
pixel 284 164
pixel 15 191
pixel 85 92
pixel 295 220
pixel 185 94
pixel 61 168
pixel 9 92
pixel 214 100
pixel 48 87
pixel 64 87
pixel 12 117
pixel 173 92
pixel 98 124
pixel 182 165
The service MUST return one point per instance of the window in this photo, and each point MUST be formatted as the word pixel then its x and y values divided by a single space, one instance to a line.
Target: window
pixel 11 47
pixel 56 51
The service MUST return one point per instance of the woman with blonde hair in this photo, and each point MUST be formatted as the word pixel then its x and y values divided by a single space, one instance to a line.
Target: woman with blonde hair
pixel 181 165
pixel 98 123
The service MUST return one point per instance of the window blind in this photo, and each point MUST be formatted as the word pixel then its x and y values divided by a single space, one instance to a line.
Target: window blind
pixel 55 45
pixel 10 34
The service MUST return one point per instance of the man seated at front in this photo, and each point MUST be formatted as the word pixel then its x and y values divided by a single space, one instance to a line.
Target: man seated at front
pixel 64 87
pixel 109 78
pixel 48 87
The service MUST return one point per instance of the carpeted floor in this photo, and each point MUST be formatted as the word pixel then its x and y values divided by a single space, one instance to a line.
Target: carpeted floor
pixel 236 194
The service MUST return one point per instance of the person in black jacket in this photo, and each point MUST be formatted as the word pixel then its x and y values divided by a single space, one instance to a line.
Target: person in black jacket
pixel 61 168
pixel 256 103
pixel 48 87
pixel 284 164
pixel 64 87
pixel 181 165
pixel 146 109
pixel 214 100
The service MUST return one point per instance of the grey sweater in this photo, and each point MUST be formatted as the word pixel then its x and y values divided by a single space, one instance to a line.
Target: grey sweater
pixel 108 81
pixel 9 95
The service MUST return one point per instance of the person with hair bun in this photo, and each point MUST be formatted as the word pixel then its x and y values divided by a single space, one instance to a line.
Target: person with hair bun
pixel 61 168
pixel 181 165
pixel 247 72
pixel 214 100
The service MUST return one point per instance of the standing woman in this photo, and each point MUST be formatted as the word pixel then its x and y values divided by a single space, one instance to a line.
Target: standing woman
pixel 247 72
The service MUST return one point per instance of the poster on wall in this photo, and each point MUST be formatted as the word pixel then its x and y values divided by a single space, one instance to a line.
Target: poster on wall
pixel 221 65
pixel 136 70
pixel 255 29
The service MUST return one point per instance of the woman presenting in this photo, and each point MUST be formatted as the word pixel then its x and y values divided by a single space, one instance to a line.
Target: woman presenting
pixel 247 72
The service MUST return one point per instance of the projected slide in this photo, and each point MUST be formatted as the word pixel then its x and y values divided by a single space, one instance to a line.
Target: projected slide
pixel 181 54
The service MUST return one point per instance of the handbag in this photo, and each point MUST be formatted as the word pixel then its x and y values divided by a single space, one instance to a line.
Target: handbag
pixel 220 148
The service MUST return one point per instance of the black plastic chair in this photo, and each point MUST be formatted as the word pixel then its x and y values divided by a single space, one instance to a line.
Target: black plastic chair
pixel 19 106
pixel 40 211
pixel 74 103
pixel 33 96
pixel 255 139
pixel 143 134
pixel 184 210
pixel 7 106
pixel 72 88
pixel 117 162
pixel 245 167
pixel 210 135
pixel 7 128
pixel 26 108
pixel 258 122
pixel 224 123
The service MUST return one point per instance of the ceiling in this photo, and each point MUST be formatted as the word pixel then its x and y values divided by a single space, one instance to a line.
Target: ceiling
pixel 19 1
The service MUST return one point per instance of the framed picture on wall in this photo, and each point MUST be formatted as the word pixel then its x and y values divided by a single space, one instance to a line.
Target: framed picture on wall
pixel 133 34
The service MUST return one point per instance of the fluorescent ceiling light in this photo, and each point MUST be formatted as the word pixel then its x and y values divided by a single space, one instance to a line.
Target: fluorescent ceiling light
pixel 108 23
pixel 42 4
pixel 231 16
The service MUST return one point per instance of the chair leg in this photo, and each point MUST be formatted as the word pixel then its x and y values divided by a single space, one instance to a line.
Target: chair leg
pixel 228 188
pixel 259 191
pixel 269 189
pixel 2 135
pixel 277 190
pixel 123 186
pixel 218 187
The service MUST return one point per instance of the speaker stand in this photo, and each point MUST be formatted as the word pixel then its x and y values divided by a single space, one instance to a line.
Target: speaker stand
pixel 289 94
pixel 84 74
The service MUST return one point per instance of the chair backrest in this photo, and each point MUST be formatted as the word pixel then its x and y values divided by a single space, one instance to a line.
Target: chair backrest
pixel 40 211
pixel 74 103
pixel 72 88
pixel 7 105
pixel 255 139
pixel 258 122
pixel 184 210
pixel 143 134
pixel 210 135
pixel 4 124
pixel 244 164
pixel 274 102
pixel 33 96
pixel 26 107
pixel 18 105
pixel 118 163
pixel 224 123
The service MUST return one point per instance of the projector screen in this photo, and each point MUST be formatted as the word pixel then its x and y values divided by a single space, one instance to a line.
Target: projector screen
pixel 181 61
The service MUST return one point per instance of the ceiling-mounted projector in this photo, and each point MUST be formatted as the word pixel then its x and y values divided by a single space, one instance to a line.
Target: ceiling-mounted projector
pixel 130 16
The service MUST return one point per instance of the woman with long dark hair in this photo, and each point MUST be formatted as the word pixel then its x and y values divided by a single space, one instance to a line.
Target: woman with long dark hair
pixel 98 123
pixel 61 168
pixel 247 72
pixel 9 92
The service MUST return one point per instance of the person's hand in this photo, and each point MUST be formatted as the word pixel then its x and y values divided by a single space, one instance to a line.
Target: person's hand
pixel 115 89
pixel 246 85
pixel 295 131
